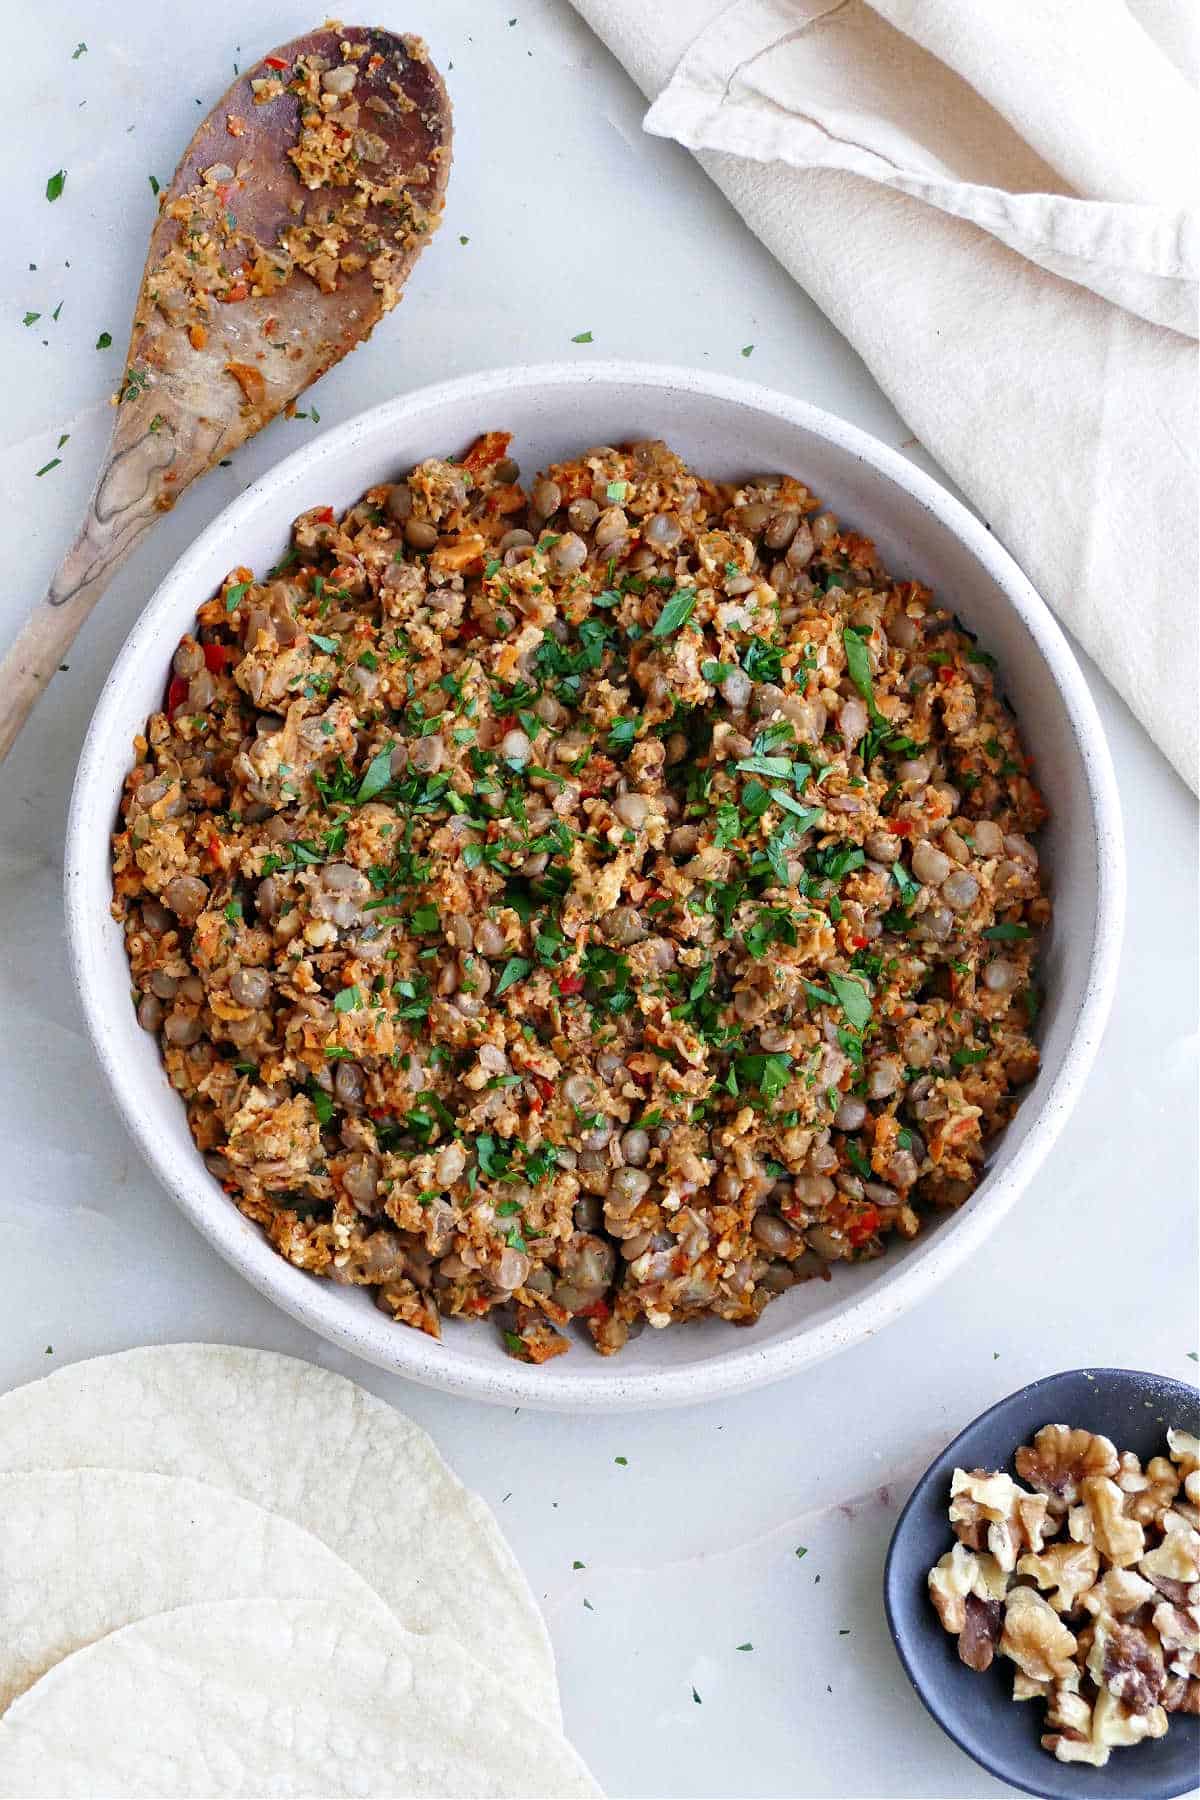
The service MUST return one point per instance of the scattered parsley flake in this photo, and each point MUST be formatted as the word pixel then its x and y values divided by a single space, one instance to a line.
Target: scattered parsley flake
pixel 31 318
pixel 582 337
pixel 347 999
pixel 52 464
pixel 104 340
pixel 745 1646
pixel 56 184
pixel 622 1460
pixel 578 1565
pixel 696 1698
pixel 801 1550
pixel 79 50
pixel 747 349
pixel 154 184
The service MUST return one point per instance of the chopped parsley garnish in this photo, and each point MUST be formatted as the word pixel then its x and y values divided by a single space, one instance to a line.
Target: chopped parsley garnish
pixel 56 184
pixel 775 767
pixel 377 777
pixel 853 998
pixel 909 889
pixel 858 666
pixel 762 661
pixel 322 1104
pixel 675 613
pixel 765 1073
pixel 514 970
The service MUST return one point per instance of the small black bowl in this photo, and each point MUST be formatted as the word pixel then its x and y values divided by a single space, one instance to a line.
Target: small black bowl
pixel 977 1710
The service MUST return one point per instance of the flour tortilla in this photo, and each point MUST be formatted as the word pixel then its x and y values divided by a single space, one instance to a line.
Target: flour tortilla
pixel 318 1450
pixel 89 1550
pixel 278 1698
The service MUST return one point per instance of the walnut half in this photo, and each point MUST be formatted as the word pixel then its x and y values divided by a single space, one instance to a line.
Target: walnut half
pixel 1128 1662
pixel 1035 1637
pixel 967 1588
pixel 1014 1519
pixel 1060 1459
pixel 1067 1569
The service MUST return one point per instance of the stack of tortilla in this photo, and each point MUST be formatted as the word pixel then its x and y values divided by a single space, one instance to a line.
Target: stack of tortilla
pixel 226 1572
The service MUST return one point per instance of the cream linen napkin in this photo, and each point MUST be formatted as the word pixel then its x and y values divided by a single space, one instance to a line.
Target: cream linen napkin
pixel 991 202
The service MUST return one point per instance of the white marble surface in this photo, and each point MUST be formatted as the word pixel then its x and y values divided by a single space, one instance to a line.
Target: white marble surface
pixel 575 222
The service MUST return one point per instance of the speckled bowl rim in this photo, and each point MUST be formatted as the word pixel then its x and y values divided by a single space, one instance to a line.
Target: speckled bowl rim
pixel 739 1363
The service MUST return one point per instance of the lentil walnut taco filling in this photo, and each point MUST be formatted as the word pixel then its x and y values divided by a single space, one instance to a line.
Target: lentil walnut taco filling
pixel 612 903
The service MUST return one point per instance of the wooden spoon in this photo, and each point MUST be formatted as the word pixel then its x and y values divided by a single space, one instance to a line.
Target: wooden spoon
pixel 293 220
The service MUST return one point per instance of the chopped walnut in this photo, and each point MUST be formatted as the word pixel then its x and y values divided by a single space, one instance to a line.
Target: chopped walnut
pixel 1016 1519
pixel 1182 1695
pixel 1128 1662
pixel 1184 1448
pixel 1178 1555
pixel 1060 1459
pixel 1185 1454
pixel 1075 1750
pixel 1068 1569
pixel 979 1638
pixel 1178 1629
pixel 1148 1492
pixel 1119 1539
pixel 1119 1591
pixel 1067 1709
pixel 1112 1726
pixel 1069 1717
pixel 1104 1542
pixel 967 1588
pixel 1114 1723
pixel 1035 1637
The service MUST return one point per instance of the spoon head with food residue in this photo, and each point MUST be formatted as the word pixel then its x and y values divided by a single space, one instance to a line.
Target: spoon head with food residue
pixel 290 228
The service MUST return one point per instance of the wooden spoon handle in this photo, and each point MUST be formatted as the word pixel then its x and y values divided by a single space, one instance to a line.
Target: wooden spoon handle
pixel 121 511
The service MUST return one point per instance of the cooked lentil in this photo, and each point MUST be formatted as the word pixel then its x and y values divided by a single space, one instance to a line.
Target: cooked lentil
pixel 565 908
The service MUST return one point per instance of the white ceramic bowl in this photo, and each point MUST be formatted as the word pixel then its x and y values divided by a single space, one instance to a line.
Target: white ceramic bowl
pixel 726 428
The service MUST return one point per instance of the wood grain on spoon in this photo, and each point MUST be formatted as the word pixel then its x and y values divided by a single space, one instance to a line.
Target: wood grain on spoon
pixel 291 225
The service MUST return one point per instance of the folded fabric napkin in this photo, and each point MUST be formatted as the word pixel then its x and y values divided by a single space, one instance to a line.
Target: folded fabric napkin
pixel 995 205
